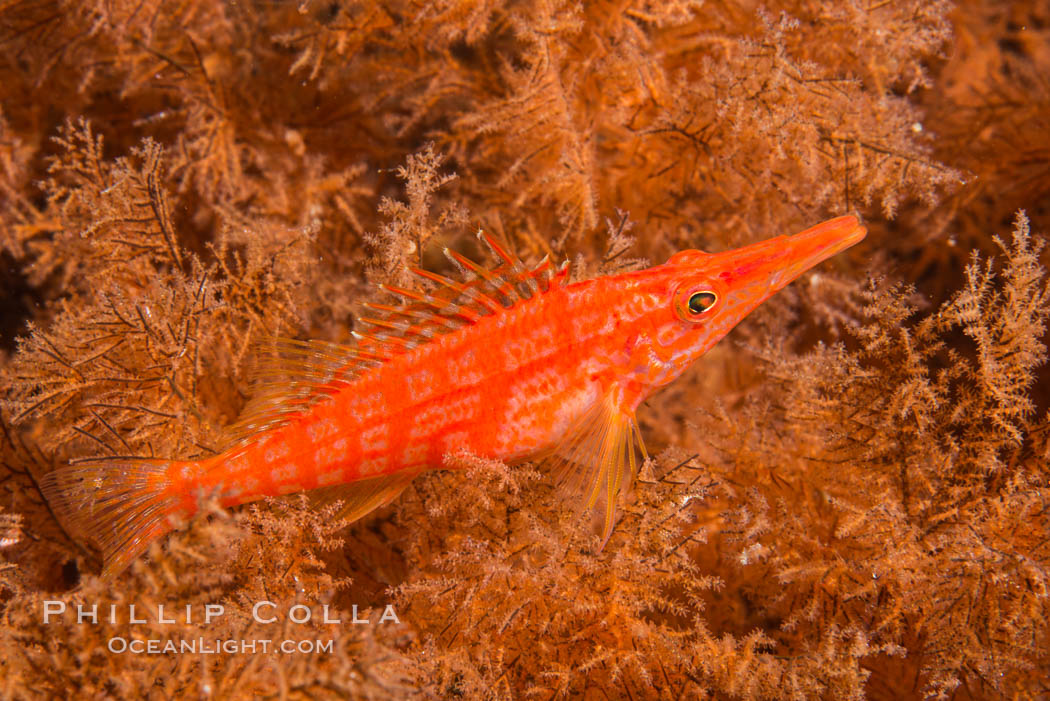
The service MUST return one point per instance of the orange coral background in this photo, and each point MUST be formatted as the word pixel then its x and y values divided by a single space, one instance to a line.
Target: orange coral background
pixel 849 495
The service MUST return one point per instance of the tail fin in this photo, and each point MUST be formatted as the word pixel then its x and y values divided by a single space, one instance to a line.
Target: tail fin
pixel 122 506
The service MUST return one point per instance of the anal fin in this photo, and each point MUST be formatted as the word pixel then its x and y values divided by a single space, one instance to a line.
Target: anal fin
pixel 363 496
pixel 595 462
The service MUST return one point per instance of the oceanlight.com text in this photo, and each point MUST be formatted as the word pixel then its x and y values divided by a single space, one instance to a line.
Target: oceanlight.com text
pixel 201 646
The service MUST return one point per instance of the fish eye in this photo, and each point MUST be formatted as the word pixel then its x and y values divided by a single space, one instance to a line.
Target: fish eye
pixel 700 302
pixel 692 303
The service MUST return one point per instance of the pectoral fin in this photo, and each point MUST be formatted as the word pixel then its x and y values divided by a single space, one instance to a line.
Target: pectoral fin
pixel 595 463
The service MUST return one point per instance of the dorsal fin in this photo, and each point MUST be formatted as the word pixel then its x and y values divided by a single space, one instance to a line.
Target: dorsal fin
pixel 291 376
pixel 456 303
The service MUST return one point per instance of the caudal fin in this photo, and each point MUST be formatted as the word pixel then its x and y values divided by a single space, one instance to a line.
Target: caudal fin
pixel 122 506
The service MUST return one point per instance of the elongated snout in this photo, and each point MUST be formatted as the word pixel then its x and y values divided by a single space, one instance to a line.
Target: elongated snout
pixel 768 266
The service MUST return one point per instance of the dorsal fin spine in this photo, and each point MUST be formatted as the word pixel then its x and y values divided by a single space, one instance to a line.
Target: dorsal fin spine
pixel 461 289
pixel 496 248
pixel 382 339
pixel 442 305
pixel 383 323
pixel 526 279
pixel 517 273
pixel 542 274
pixel 407 294
pixel 403 326
pixel 495 279
pixel 408 315
pixel 442 322
pixel 561 274
pixel 386 308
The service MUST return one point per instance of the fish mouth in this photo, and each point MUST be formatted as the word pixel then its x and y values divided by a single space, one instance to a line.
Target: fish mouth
pixel 775 262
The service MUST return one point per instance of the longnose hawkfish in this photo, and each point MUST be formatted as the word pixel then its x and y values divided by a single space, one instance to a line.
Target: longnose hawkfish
pixel 510 363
